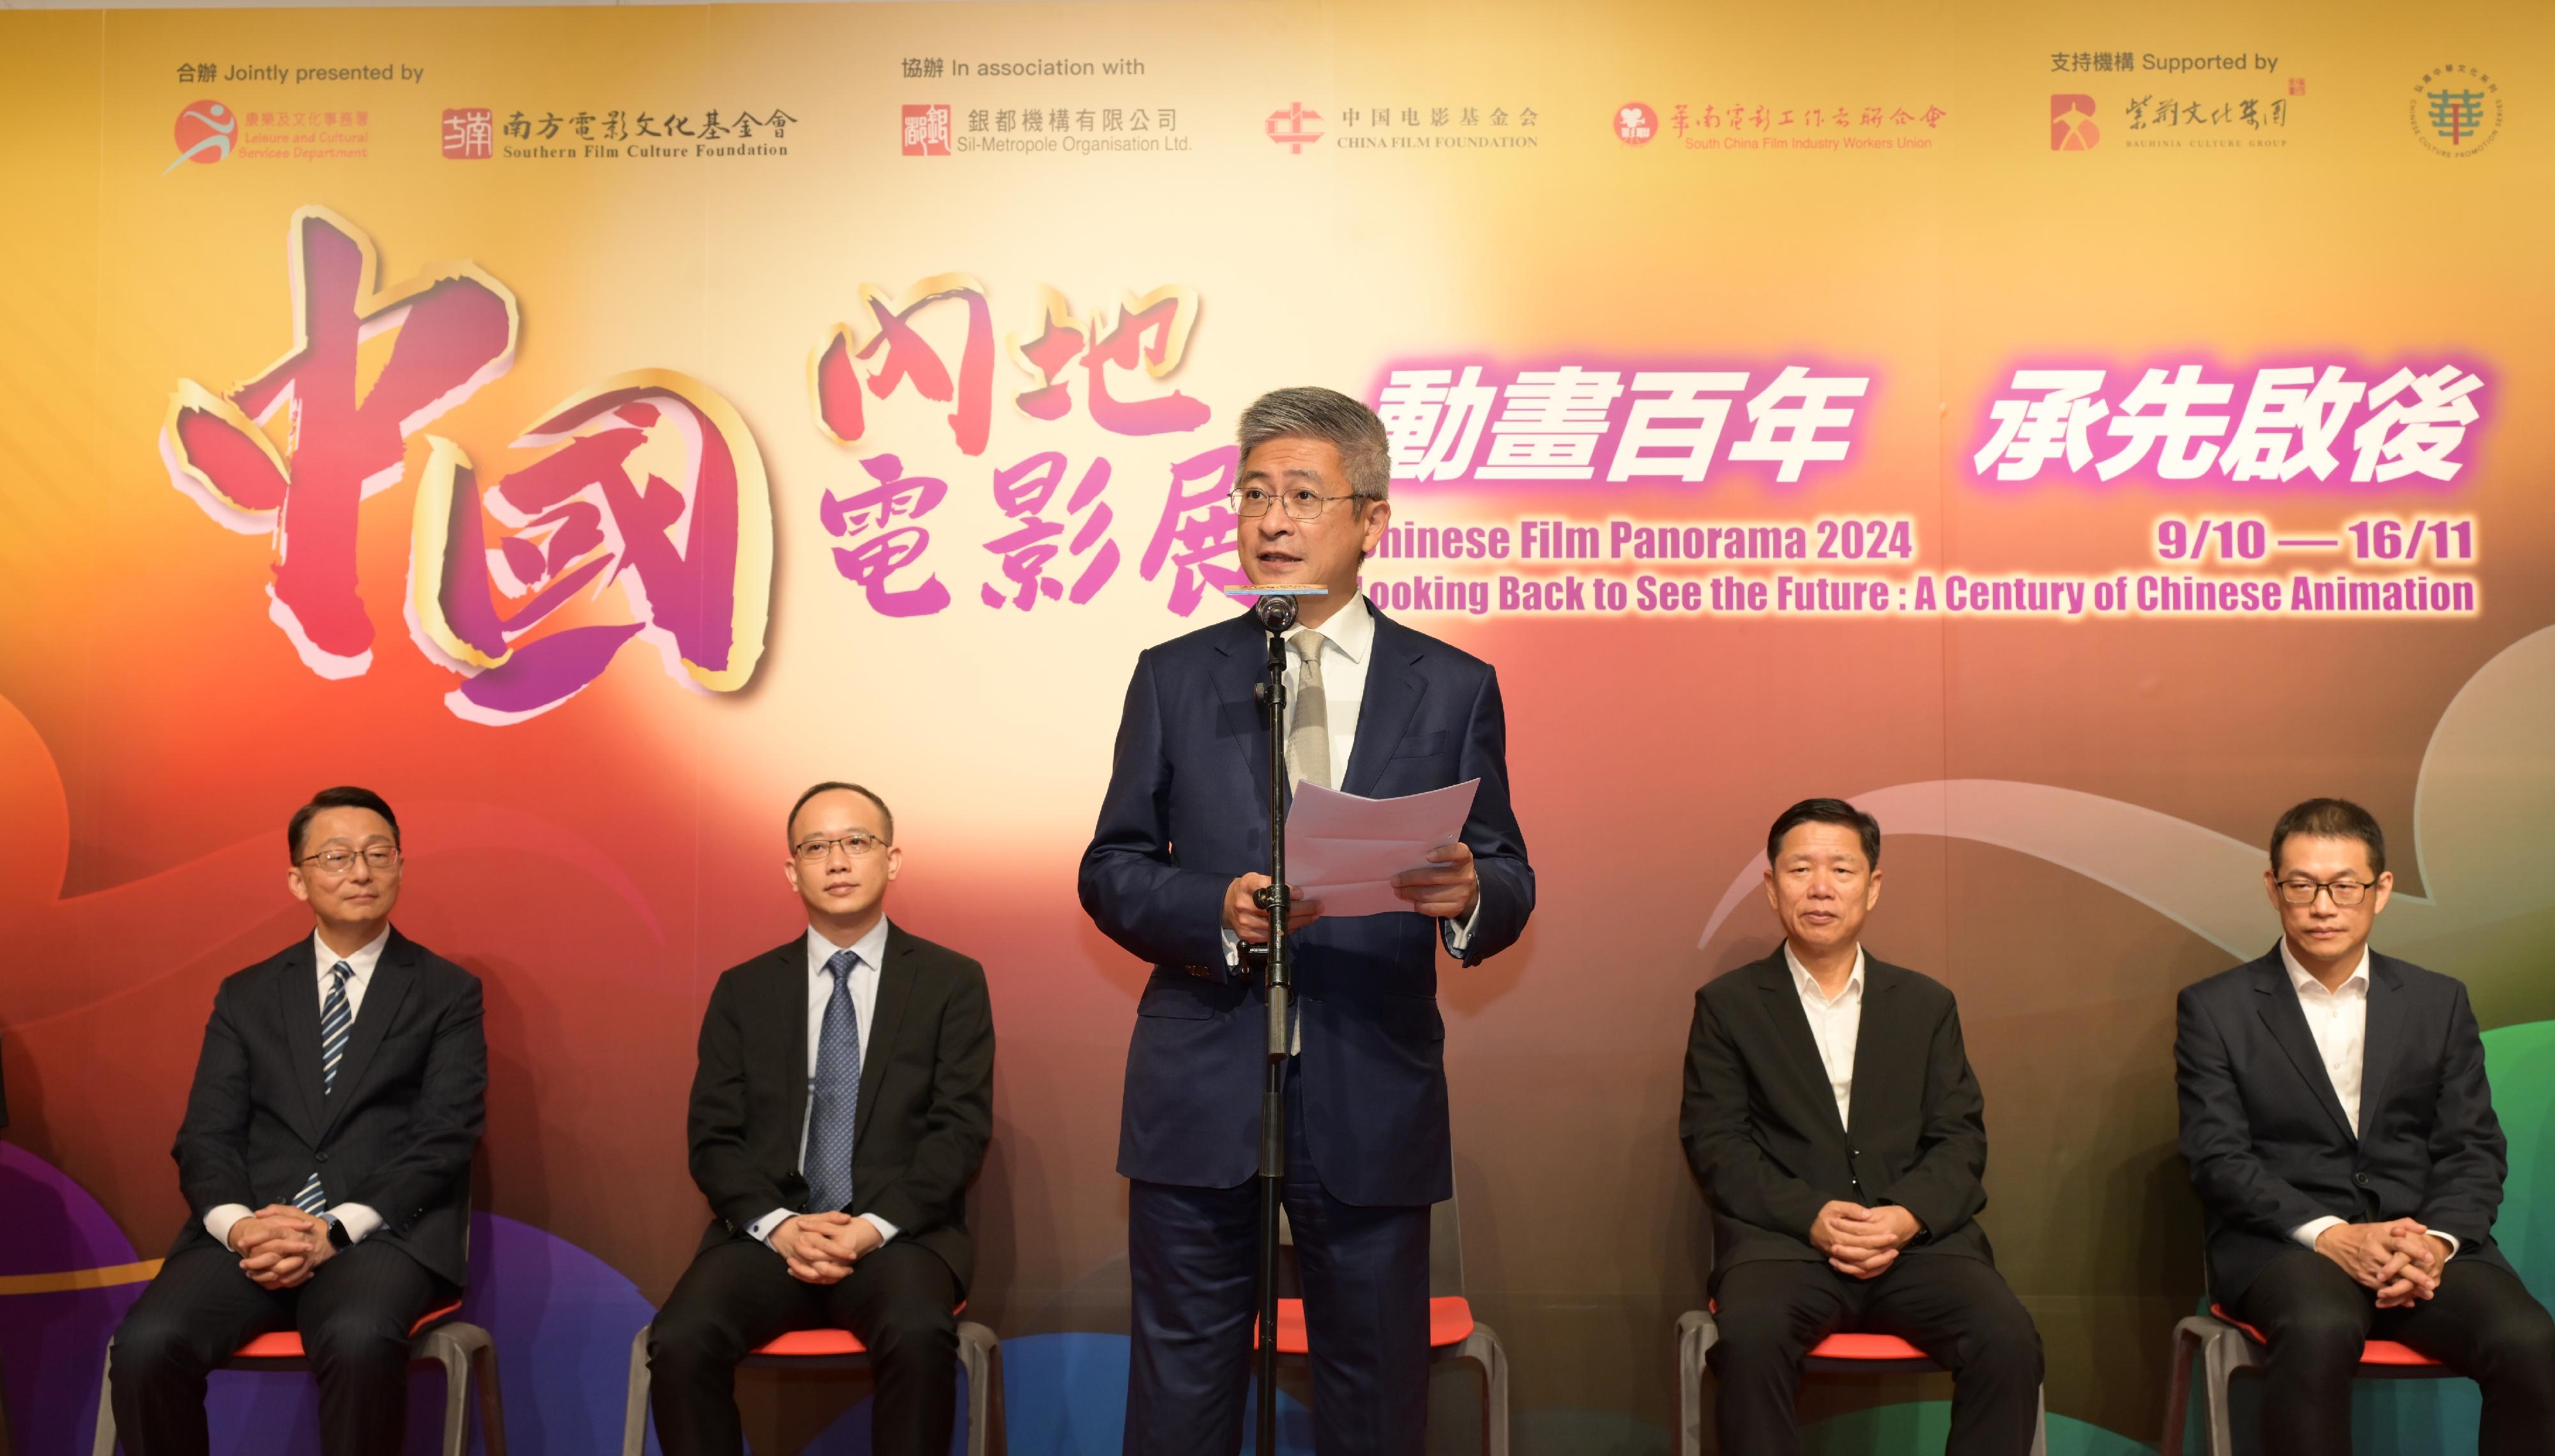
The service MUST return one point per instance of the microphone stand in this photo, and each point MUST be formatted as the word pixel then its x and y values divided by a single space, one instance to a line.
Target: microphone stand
pixel 1277 613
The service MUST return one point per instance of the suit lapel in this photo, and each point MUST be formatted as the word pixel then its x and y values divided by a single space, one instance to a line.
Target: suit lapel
pixel 787 985
pixel 296 995
pixel 1878 981
pixel 1393 689
pixel 2382 1046
pixel 1792 1032
pixel 2288 1027
pixel 393 975
pixel 895 994
pixel 1243 666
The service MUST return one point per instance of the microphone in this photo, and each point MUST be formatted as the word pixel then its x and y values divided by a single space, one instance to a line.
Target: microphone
pixel 1275 612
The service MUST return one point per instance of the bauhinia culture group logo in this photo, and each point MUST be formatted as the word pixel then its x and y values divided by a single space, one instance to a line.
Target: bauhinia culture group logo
pixel 2456 110
pixel 1291 127
pixel 1636 123
pixel 927 131
pixel 205 130
pixel 2071 123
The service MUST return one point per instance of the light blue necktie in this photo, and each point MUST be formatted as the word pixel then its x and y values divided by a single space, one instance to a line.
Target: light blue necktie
pixel 336 1018
pixel 837 1094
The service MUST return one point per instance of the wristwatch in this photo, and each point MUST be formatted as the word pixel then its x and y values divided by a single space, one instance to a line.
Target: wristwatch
pixel 338 1238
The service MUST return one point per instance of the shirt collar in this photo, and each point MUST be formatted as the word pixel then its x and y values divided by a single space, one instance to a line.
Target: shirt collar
pixel 870 948
pixel 362 962
pixel 2304 980
pixel 1809 984
pixel 1351 629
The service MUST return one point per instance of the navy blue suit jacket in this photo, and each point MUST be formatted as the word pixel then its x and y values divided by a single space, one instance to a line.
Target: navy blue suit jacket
pixel 1188 810
pixel 2268 1145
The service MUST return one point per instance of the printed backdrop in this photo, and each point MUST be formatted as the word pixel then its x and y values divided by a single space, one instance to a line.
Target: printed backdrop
pixel 2074 432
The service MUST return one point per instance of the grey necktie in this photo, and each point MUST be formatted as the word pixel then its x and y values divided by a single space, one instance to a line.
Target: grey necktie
pixel 1309 739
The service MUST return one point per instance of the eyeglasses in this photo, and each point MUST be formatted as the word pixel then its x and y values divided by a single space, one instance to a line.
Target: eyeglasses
pixel 2303 890
pixel 340 861
pixel 1303 502
pixel 857 844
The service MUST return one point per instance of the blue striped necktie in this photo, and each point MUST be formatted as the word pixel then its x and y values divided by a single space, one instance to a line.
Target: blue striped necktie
pixel 336 1018
pixel 837 1093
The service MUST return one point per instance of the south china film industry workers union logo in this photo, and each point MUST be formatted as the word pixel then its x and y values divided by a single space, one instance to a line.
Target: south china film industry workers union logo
pixel 2454 110
pixel 205 131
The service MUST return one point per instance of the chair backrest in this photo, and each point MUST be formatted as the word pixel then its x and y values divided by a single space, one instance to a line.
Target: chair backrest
pixel 1446 1252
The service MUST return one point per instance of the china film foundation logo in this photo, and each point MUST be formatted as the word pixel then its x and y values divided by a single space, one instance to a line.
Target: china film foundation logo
pixel 2071 124
pixel 1636 123
pixel 927 132
pixel 205 131
pixel 2456 110
pixel 469 133
pixel 1292 127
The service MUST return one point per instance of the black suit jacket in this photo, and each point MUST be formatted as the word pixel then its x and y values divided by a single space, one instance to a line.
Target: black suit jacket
pixel 397 1132
pixel 927 1107
pixel 1760 1125
pixel 2268 1145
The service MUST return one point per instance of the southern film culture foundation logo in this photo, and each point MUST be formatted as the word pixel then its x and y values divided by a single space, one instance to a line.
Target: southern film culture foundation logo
pixel 469 133
pixel 2456 110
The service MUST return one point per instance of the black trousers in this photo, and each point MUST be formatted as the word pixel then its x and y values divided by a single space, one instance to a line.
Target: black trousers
pixel 353 1315
pixel 1956 1310
pixel 739 1295
pixel 2482 1324
pixel 1192 1257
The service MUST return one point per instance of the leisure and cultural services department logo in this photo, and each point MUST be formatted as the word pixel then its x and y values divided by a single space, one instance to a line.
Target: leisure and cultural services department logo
pixel 1291 127
pixel 2456 110
pixel 1636 123
pixel 2071 123
pixel 205 131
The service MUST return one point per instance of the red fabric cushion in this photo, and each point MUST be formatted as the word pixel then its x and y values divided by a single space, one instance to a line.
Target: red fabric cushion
pixel 821 1342
pixel 1450 1323
pixel 2375 1352
pixel 286 1343
pixel 1847 1345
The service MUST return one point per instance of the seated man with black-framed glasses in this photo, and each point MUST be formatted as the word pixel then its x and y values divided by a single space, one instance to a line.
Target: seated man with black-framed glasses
pixel 842 1105
pixel 2341 1133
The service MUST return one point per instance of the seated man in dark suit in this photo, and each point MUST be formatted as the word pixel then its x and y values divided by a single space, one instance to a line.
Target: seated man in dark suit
pixel 844 1098
pixel 1832 1117
pixel 2341 1133
pixel 325 1155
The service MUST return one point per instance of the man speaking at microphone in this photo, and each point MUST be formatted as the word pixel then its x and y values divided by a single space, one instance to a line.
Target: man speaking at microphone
pixel 1375 709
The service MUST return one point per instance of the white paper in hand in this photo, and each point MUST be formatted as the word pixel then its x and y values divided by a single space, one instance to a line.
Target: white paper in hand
pixel 1344 850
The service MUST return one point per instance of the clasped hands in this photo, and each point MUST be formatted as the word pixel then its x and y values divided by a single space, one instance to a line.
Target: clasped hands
pixel 1446 891
pixel 281 1246
pixel 1860 1241
pixel 2401 1260
pixel 821 1248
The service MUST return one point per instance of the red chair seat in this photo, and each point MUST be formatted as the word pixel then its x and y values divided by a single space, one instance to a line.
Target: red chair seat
pixel 2375 1352
pixel 813 1343
pixel 1852 1345
pixel 1450 1323
pixel 286 1343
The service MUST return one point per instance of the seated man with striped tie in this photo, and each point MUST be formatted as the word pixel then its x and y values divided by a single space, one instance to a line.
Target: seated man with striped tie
pixel 324 1156
pixel 842 1105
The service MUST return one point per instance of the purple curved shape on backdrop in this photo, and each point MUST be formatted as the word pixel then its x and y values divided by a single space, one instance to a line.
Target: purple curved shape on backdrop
pixel 53 1346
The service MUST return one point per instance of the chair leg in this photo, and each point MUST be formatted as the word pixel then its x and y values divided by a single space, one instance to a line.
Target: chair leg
pixel 1483 1345
pixel 104 1444
pixel 2221 1366
pixel 982 1356
pixel 1693 1340
pixel 634 1420
pixel 2177 1392
pixel 492 1403
pixel 456 1390
pixel 2040 1424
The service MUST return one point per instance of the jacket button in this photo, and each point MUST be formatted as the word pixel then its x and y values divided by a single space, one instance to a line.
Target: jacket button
pixel 323 1158
pixel 2361 1178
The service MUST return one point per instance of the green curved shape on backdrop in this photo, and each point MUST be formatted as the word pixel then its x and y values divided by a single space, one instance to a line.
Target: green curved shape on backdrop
pixel 2389 1418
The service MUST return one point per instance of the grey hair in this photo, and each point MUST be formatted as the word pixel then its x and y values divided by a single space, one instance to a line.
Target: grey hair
pixel 1311 411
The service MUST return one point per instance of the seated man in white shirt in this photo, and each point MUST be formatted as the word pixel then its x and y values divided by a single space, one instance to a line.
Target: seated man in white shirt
pixel 2340 1130
pixel 1832 1117
pixel 842 1105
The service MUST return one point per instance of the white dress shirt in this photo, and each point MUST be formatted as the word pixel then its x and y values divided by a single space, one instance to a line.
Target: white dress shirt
pixel 2337 1020
pixel 862 984
pixel 1348 648
pixel 359 1218
pixel 1834 1025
